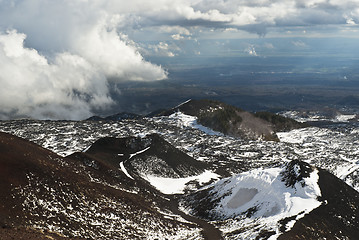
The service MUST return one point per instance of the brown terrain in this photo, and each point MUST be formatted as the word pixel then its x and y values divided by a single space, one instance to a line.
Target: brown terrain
pixel 233 121
pixel 83 196
pixel 87 196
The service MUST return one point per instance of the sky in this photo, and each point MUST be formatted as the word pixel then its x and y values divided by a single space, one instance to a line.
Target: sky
pixel 59 59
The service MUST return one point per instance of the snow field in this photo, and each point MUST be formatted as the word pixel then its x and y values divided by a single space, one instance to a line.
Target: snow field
pixel 178 185
pixel 264 191
pixel 184 120
pixel 263 188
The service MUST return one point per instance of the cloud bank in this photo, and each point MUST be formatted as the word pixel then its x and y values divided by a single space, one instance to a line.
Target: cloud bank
pixel 58 58
pixel 60 65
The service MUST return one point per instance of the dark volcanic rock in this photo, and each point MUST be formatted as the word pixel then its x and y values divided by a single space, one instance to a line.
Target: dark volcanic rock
pixel 12 233
pixel 95 118
pixel 146 155
pixel 123 116
pixel 73 198
pixel 227 119
pixel 280 123
pixel 295 171
pixel 336 218
pixel 116 117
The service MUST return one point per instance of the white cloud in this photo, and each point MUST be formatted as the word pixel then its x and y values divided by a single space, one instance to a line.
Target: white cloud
pixel 177 37
pixel 114 54
pixel 73 47
pixel 299 43
pixel 175 30
pixel 269 45
pixel 67 88
pixel 79 50
pixel 161 49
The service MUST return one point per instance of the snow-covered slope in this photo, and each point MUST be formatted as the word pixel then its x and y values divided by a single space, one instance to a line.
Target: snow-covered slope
pixel 183 120
pixel 180 185
pixel 255 196
pixel 334 148
pixel 326 115
pixel 226 119
pixel 261 200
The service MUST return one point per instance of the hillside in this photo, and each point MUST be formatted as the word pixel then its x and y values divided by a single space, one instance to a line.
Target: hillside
pixel 138 153
pixel 337 216
pixel 74 198
pixel 115 117
pixel 157 178
pixel 234 121
pixel 294 201
pixel 280 123
pixel 223 118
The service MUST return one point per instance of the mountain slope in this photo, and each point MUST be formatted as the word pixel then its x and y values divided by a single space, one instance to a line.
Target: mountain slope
pixel 223 118
pixel 268 202
pixel 149 160
pixel 336 218
pixel 280 123
pixel 146 155
pixel 230 120
pixel 115 117
pixel 41 190
pixel 111 191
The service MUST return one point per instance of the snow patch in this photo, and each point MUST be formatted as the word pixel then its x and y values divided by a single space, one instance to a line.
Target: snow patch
pixel 263 193
pixel 178 185
pixel 139 152
pixel 183 103
pixel 265 189
pixel 124 170
pixel 303 135
pixel 86 149
pixel 315 116
pixel 344 117
pixel 184 120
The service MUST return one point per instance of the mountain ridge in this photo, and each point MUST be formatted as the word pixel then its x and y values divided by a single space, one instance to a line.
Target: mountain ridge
pixel 234 121
pixel 224 118
pixel 243 202
pixel 115 170
pixel 42 190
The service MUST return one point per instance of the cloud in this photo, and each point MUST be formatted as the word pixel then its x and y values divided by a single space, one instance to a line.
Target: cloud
pixel 64 54
pixel 257 16
pixel 269 45
pixel 114 54
pixel 180 14
pixel 299 44
pixel 71 85
pixel 162 49
pixel 62 62
pixel 177 37
pixel 67 88
pixel 174 30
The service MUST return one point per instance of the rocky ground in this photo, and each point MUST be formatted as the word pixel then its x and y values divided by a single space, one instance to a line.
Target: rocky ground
pixel 107 179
